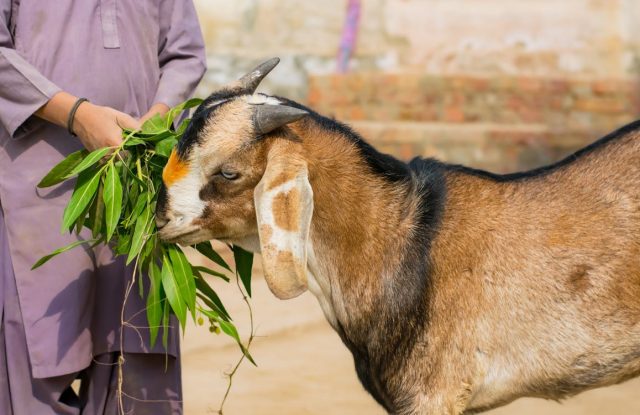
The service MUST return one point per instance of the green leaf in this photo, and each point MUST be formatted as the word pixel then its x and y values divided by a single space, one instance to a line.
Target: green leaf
pixel 209 271
pixel 212 312
pixel 112 199
pixel 154 125
pixel 154 301
pixel 183 126
pixel 188 104
pixel 230 330
pixel 96 214
pixel 159 137
pixel 123 244
pixel 173 293
pixel 177 110
pixel 83 194
pixel 165 324
pixel 82 218
pixel 134 142
pixel 58 251
pixel 91 159
pixel 147 249
pixel 140 202
pixel 131 189
pixel 139 233
pixel 212 307
pixel 207 292
pixel 184 277
pixel 165 146
pixel 206 249
pixel 61 171
pixel 244 262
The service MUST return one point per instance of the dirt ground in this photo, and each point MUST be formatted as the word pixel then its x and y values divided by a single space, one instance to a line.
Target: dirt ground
pixel 303 368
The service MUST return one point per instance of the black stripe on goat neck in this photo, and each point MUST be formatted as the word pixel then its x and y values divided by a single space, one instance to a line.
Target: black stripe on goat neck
pixel 382 341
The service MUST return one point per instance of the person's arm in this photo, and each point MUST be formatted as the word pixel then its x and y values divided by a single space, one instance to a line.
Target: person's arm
pixel 181 55
pixel 26 92
pixel 24 89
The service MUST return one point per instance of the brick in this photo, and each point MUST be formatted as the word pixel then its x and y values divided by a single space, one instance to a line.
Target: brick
pixel 527 84
pixel 605 86
pixel 454 114
pixel 600 105
pixel 558 86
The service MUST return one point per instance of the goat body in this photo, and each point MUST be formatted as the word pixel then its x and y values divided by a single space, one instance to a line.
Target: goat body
pixel 459 290
pixel 456 290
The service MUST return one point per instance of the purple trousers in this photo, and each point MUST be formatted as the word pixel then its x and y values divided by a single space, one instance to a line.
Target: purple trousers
pixel 151 382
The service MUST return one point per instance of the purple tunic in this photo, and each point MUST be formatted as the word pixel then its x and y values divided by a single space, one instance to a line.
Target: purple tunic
pixel 126 54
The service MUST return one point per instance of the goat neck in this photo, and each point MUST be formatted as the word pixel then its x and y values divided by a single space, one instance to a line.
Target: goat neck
pixel 368 259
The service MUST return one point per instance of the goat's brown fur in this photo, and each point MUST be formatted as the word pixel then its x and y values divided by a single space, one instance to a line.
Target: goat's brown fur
pixel 456 290
pixel 541 273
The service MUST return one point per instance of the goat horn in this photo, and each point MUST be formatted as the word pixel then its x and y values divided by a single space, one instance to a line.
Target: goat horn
pixel 269 117
pixel 250 81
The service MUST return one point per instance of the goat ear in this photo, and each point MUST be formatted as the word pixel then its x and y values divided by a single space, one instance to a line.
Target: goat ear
pixel 269 117
pixel 250 82
pixel 284 207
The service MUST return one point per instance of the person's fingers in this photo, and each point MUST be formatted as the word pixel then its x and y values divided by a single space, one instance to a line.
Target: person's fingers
pixel 114 141
pixel 146 116
pixel 127 121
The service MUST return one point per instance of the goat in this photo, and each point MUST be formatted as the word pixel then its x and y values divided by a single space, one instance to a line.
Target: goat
pixel 456 290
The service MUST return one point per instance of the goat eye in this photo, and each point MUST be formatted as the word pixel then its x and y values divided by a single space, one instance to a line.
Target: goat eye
pixel 229 175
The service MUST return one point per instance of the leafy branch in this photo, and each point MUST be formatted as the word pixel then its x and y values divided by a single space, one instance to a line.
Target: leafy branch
pixel 115 197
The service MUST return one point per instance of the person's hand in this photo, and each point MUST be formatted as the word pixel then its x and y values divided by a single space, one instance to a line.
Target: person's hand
pixel 97 126
pixel 159 108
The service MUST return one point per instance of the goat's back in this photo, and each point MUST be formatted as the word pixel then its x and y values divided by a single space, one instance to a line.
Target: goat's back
pixel 542 273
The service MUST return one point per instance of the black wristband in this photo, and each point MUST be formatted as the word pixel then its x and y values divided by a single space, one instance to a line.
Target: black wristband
pixel 72 115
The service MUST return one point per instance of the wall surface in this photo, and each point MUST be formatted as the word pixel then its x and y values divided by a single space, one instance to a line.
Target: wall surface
pixel 500 84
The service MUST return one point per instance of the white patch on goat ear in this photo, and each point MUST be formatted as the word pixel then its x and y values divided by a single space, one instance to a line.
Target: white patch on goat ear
pixel 284 217
pixel 278 235
pixel 262 99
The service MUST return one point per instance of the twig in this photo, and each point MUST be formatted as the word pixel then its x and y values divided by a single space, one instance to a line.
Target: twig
pixel 251 337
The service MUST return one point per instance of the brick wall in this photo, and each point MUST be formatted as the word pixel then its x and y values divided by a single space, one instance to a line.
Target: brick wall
pixel 502 123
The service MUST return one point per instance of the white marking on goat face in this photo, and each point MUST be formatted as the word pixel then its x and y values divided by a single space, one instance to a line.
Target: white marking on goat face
pixel 261 99
pixel 182 183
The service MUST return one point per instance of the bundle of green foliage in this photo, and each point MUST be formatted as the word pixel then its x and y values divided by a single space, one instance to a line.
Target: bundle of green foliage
pixel 115 198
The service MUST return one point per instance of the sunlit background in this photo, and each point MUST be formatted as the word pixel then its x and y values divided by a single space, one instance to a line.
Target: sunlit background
pixel 503 85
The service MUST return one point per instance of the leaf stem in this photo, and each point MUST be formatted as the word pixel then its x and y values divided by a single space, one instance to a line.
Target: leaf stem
pixel 251 337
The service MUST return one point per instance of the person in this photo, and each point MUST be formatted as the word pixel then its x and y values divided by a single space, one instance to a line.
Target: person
pixel 62 322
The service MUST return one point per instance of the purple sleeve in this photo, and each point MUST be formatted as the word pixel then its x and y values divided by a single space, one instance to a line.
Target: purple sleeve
pixel 181 52
pixel 24 89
